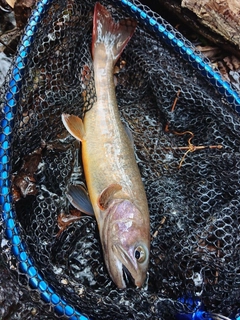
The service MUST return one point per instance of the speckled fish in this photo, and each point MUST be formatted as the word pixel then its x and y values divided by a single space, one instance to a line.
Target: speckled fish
pixel 113 179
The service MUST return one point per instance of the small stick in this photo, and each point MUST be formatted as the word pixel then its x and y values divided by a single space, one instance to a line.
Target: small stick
pixel 160 226
pixel 7 46
pixel 173 108
pixel 175 100
pixel 9 31
pixel 194 148
pixel 191 147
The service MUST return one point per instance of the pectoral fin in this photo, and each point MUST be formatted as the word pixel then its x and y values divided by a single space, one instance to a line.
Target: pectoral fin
pixel 107 195
pixel 78 197
pixel 74 126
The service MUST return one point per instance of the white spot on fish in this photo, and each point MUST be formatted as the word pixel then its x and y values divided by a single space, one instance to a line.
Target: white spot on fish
pixel 102 72
pixel 128 224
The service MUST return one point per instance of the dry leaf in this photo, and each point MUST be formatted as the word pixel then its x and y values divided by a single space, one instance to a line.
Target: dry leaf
pixel 22 11
pixel 232 62
pixel 223 69
pixel 209 51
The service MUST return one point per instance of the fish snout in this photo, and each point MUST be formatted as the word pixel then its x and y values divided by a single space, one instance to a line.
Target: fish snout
pixel 126 270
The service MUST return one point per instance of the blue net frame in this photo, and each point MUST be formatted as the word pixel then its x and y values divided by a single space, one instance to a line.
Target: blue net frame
pixel 12 230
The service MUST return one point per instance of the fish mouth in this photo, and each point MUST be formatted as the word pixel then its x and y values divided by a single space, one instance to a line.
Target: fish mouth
pixel 126 267
pixel 127 277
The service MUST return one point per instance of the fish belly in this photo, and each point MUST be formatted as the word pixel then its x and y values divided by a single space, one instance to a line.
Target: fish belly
pixel 108 157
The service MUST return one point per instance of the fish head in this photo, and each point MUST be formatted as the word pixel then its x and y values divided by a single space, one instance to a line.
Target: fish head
pixel 126 241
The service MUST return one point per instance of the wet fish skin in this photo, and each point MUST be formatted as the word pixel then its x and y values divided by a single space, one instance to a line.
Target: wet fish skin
pixel 113 179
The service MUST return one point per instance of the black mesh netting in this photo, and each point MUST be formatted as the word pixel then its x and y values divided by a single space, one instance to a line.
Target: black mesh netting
pixel 188 157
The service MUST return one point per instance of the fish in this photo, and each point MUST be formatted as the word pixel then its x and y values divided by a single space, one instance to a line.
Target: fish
pixel 114 185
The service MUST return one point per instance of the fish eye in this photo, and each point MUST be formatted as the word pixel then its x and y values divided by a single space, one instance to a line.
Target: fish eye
pixel 140 254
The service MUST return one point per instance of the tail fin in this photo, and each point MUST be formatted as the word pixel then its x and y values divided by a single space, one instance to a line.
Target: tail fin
pixel 114 36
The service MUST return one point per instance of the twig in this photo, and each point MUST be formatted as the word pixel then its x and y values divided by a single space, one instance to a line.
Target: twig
pixel 7 46
pixel 175 100
pixel 173 108
pixel 191 147
pixel 160 226
pixel 9 31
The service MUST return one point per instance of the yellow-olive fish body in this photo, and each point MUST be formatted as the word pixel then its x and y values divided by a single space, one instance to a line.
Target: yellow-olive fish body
pixel 113 179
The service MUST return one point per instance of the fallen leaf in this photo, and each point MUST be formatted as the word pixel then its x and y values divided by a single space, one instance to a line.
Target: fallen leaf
pixel 209 51
pixel 22 10
pixel 232 62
